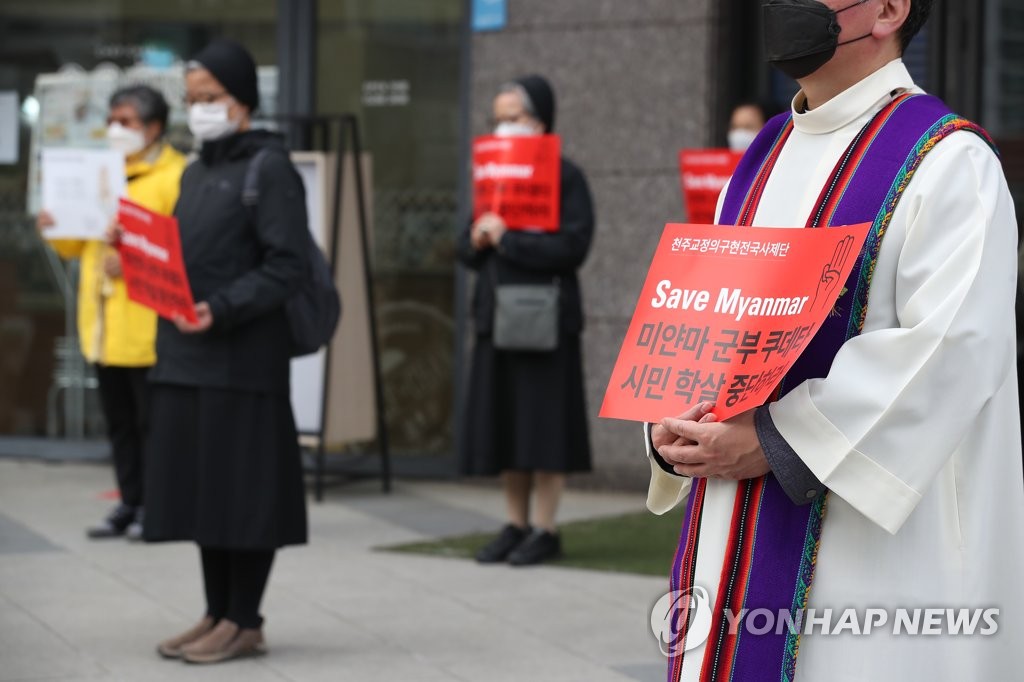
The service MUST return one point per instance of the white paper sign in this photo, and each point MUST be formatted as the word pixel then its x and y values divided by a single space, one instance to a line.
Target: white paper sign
pixel 80 189
pixel 8 127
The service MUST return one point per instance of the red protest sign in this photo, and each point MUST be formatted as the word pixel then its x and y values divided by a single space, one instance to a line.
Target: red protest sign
pixel 154 272
pixel 724 314
pixel 704 172
pixel 519 178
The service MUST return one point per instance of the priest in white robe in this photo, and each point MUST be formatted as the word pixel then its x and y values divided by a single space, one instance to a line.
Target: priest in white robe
pixel 915 431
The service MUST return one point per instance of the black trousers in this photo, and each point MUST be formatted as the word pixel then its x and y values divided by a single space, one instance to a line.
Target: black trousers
pixel 123 394
pixel 235 580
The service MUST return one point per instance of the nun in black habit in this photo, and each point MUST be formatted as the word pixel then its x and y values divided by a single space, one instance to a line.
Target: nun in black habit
pixel 526 416
pixel 223 466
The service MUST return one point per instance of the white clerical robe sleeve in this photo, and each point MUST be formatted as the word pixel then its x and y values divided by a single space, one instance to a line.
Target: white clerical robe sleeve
pixel 665 490
pixel 938 343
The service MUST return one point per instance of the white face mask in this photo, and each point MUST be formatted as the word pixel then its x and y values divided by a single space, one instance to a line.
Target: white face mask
pixel 210 121
pixel 508 129
pixel 128 141
pixel 740 139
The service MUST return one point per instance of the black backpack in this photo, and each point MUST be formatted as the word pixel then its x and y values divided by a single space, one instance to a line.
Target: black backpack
pixel 314 309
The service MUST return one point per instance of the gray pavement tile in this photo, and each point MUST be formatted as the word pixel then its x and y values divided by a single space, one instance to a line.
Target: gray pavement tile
pixel 151 668
pixel 527 660
pixel 16 538
pixel 54 450
pixel 644 672
pixel 342 664
pixel 489 501
pixel 426 517
pixel 31 651
pixel 76 678
pixel 336 610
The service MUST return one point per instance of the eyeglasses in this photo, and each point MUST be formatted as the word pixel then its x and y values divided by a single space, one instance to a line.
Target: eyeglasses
pixel 204 98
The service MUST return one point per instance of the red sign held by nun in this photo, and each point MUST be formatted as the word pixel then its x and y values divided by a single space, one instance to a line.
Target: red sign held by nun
pixel 518 178
pixel 704 172
pixel 154 272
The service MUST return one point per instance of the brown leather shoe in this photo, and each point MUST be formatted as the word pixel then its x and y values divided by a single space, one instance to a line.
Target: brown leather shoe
pixel 171 648
pixel 225 642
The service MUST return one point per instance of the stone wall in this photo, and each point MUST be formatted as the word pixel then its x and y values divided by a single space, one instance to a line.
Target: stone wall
pixel 633 84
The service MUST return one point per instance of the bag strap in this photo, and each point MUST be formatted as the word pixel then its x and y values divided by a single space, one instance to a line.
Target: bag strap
pixel 251 184
pixel 556 280
pixel 251 188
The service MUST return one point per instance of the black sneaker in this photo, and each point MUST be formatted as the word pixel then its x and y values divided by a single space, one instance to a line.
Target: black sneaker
pixel 499 548
pixel 115 524
pixel 539 547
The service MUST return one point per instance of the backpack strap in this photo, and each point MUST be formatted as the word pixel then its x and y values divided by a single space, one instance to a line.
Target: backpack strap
pixel 251 184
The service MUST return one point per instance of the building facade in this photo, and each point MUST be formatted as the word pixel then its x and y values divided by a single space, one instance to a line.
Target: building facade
pixel 636 82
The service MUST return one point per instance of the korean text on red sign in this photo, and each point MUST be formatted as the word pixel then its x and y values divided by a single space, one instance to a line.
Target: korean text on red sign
pixel 723 315
pixel 703 173
pixel 519 178
pixel 154 272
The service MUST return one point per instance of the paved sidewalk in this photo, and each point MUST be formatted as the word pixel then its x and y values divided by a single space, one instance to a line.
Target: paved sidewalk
pixel 73 609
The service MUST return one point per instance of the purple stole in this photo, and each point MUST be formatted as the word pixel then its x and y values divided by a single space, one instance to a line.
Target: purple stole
pixel 773 543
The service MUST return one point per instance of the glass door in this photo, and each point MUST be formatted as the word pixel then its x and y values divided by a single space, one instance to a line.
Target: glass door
pixel 45 386
pixel 396 65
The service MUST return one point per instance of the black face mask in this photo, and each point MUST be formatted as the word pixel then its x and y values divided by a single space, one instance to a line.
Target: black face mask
pixel 800 36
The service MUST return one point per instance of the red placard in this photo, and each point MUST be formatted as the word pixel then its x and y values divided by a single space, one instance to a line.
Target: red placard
pixel 519 178
pixel 724 314
pixel 154 272
pixel 704 172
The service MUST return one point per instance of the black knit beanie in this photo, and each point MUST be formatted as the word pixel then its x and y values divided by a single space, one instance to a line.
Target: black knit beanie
pixel 542 97
pixel 234 67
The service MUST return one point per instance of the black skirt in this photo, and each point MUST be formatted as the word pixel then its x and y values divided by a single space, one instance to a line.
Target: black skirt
pixel 223 469
pixel 526 411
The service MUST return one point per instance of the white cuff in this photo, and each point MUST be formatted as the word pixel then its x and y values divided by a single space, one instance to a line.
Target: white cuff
pixel 665 490
pixel 868 487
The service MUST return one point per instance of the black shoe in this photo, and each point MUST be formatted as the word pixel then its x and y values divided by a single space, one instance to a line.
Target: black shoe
pixel 134 530
pixel 115 524
pixel 500 547
pixel 539 547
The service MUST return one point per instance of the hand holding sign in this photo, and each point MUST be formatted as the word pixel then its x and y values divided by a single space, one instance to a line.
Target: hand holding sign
pixel 705 449
pixel 114 232
pixel 44 222
pixel 662 436
pixel 112 264
pixel 487 231
pixel 203 320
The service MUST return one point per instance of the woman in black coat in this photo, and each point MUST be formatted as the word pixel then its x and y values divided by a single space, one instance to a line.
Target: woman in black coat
pixel 526 416
pixel 225 469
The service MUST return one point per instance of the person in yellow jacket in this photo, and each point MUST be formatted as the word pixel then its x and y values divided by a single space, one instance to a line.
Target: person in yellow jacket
pixel 116 334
